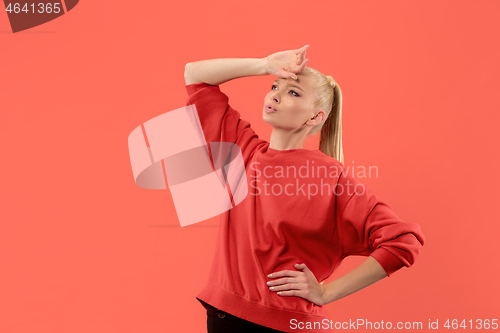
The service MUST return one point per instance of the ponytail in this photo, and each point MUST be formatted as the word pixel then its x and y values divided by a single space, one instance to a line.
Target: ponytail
pixel 328 98
pixel 330 142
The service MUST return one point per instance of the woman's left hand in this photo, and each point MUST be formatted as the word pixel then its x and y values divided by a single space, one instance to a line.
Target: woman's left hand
pixel 286 64
pixel 301 283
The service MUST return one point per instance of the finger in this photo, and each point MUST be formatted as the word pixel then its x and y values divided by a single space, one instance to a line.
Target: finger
pixel 302 57
pixel 299 67
pixel 303 65
pixel 285 287
pixel 283 273
pixel 302 49
pixel 297 293
pixel 281 281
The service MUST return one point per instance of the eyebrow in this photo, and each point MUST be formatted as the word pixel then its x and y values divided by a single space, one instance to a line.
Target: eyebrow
pixel 291 85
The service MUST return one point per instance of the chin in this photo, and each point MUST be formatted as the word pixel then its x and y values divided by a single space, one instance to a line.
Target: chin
pixel 267 121
pixel 266 117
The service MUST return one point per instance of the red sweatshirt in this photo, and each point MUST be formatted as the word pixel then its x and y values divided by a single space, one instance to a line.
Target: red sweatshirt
pixel 302 207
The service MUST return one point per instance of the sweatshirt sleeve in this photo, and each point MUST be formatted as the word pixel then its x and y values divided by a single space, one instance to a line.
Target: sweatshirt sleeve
pixel 370 227
pixel 219 121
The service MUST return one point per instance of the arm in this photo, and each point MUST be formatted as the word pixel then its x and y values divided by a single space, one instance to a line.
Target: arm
pixel 370 228
pixel 369 272
pixel 304 284
pixel 217 71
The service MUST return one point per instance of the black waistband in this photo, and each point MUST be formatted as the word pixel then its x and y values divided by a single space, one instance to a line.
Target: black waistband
pixel 212 311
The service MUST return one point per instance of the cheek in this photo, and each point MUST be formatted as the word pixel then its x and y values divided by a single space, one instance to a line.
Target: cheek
pixel 300 113
pixel 298 109
pixel 267 98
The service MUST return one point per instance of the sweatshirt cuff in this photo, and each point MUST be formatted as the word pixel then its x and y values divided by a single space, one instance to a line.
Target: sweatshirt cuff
pixel 389 262
pixel 194 87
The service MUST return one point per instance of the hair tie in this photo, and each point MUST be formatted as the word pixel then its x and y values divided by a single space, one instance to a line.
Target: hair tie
pixel 331 81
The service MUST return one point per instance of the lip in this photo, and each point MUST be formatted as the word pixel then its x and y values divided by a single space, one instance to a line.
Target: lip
pixel 270 108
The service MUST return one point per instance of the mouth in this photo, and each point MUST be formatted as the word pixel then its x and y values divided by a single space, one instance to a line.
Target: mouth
pixel 269 108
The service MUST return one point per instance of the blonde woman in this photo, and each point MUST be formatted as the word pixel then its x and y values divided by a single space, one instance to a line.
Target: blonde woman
pixel 304 213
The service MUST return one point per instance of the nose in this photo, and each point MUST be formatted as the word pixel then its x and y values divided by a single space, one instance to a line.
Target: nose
pixel 275 97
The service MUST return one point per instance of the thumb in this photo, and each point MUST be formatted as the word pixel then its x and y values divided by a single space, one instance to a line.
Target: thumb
pixel 287 75
pixel 301 266
pixel 291 75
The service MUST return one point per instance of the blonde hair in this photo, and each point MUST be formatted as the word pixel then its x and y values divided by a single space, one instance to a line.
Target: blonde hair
pixel 329 99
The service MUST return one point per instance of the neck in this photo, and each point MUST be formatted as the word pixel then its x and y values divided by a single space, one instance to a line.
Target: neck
pixel 283 140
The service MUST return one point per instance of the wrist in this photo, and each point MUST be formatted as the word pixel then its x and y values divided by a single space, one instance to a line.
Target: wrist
pixel 330 292
pixel 263 70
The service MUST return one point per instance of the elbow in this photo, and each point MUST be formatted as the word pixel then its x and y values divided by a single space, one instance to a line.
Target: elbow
pixel 188 73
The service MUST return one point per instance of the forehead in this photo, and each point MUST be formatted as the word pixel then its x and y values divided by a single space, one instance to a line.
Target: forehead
pixel 303 82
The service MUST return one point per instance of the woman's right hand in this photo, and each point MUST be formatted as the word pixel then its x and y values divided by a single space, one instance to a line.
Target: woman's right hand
pixel 286 64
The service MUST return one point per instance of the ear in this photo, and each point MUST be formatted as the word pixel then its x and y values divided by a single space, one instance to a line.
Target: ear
pixel 319 116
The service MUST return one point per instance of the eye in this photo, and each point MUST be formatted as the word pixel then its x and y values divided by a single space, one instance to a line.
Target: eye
pixel 291 91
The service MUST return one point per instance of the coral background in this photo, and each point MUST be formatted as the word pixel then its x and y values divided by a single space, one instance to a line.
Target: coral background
pixel 84 249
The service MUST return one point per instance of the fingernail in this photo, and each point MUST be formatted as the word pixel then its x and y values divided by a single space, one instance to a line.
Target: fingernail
pixel 270 275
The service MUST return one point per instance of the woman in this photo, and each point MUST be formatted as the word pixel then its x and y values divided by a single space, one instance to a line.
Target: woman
pixel 304 214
